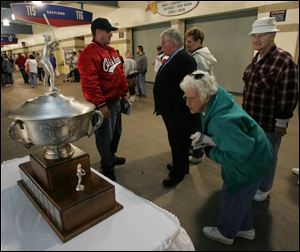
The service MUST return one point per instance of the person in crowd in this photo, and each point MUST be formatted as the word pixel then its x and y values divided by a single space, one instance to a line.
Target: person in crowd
pixel 141 66
pixel 49 61
pixel 104 83
pixel 75 67
pixel 2 71
pixel 53 61
pixel 121 58
pixel 205 60
pixel 169 104
pixel 12 62
pixel 7 69
pixel 270 94
pixel 129 68
pixel 40 67
pixel 20 62
pixel 234 140
pixel 31 63
pixel 160 58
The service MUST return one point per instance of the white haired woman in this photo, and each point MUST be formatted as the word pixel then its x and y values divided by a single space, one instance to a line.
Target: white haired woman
pixel 234 140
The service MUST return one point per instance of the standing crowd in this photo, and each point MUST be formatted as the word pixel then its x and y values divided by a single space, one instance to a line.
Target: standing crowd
pixel 200 116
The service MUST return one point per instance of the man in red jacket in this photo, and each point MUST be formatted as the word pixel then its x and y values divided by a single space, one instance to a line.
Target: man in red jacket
pixel 103 83
pixel 20 62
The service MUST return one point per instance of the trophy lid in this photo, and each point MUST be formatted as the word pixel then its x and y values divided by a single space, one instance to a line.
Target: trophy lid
pixel 52 105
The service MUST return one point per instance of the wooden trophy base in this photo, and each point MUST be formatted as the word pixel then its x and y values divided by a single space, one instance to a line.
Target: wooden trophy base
pixel 67 211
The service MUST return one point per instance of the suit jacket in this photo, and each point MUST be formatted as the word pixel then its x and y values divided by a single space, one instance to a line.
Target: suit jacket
pixel 166 92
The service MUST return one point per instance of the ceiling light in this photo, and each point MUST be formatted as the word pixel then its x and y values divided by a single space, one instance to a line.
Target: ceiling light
pixel 5 22
pixel 37 3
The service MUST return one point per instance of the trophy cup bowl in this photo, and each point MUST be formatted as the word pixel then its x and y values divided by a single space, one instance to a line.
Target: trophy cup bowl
pixel 53 121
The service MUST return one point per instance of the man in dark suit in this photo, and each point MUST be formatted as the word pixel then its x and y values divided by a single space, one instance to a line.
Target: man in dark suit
pixel 169 103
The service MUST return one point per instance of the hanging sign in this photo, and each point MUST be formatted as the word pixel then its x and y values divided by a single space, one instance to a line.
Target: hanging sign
pixel 58 15
pixel 279 15
pixel 8 39
pixel 171 8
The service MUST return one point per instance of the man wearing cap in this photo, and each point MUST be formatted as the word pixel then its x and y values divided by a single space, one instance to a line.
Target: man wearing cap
pixel 271 91
pixel 104 83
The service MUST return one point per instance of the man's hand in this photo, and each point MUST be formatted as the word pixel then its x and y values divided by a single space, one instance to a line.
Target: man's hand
pixel 105 111
pixel 280 131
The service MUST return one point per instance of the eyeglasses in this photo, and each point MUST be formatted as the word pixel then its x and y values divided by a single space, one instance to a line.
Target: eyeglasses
pixel 260 35
pixel 197 76
pixel 190 99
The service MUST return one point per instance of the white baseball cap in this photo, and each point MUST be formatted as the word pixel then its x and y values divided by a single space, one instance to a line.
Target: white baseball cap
pixel 264 25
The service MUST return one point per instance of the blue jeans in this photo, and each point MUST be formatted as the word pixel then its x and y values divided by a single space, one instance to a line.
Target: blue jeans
pixel 235 212
pixel 267 182
pixel 141 87
pixel 32 78
pixel 109 133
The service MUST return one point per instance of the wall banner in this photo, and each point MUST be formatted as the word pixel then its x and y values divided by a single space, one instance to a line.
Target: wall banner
pixel 58 15
pixel 8 39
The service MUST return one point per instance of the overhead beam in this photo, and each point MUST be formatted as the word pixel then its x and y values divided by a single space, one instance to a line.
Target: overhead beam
pixel 16 29
pixel 106 3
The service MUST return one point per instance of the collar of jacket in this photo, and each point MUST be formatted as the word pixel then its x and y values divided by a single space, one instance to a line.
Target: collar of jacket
pixel 267 55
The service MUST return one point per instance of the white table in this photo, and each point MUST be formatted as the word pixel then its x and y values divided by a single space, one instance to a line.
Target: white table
pixel 140 225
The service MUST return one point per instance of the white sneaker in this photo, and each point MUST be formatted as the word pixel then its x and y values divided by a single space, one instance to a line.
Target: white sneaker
pixel 214 234
pixel 194 160
pixel 261 196
pixel 132 99
pixel 249 234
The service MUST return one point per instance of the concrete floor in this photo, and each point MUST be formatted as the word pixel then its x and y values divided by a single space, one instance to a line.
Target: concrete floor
pixel 195 200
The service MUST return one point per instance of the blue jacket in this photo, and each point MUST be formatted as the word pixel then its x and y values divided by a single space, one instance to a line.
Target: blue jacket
pixel 242 148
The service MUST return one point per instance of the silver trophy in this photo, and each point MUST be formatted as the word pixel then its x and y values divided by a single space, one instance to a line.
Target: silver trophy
pixel 80 172
pixel 48 49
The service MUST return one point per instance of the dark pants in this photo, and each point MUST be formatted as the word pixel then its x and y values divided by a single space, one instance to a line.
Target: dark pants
pixel 132 80
pixel 41 73
pixel 24 75
pixel 179 126
pixel 76 75
pixel 8 78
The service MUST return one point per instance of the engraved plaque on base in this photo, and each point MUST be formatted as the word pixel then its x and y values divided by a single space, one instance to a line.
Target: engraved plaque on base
pixel 69 212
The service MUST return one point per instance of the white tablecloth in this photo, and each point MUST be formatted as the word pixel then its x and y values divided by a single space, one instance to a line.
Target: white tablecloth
pixel 140 225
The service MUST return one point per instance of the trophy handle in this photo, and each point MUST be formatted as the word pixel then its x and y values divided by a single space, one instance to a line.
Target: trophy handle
pixel 13 133
pixel 98 123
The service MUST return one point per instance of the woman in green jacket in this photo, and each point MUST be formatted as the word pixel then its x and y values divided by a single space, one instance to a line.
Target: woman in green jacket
pixel 235 141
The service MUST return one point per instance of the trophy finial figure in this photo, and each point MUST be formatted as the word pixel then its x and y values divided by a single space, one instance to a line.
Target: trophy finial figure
pixel 48 50
pixel 80 172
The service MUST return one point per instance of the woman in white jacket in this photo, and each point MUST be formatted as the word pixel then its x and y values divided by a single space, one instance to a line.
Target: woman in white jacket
pixel 205 61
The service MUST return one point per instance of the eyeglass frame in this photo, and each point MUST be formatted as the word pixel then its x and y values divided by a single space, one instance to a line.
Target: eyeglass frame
pixel 190 99
pixel 260 35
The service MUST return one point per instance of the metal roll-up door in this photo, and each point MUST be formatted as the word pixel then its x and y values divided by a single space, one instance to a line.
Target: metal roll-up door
pixel 148 37
pixel 226 36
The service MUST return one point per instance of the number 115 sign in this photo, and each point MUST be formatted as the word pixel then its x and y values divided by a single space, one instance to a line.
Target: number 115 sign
pixel 58 15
